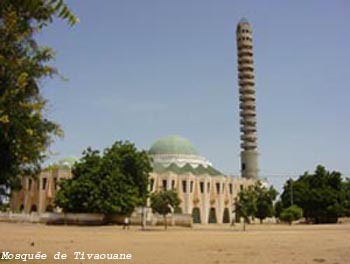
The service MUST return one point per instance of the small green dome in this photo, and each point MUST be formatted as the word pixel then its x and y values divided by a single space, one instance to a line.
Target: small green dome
pixel 173 145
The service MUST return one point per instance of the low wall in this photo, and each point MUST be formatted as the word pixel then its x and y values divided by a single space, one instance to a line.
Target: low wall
pixel 184 220
pixel 28 218
pixel 54 218
pixel 95 219
pixel 75 219
pixel 344 220
pixel 155 219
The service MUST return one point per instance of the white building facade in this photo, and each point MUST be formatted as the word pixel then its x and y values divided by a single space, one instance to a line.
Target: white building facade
pixel 205 192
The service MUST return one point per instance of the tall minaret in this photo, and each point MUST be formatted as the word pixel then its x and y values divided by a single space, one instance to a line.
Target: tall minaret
pixel 249 154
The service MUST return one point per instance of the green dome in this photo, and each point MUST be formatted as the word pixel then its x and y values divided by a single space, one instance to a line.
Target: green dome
pixel 173 145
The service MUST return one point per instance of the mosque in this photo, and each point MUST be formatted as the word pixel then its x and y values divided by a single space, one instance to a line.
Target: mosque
pixel 206 193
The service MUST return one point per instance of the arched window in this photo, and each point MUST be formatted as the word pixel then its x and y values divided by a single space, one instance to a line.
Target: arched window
pixel 49 208
pixel 212 216
pixel 226 216
pixel 33 208
pixel 196 215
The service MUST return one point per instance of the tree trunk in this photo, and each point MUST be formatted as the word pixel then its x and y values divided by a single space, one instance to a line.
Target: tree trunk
pixel 243 224
pixel 261 221
pixel 143 217
pixel 165 223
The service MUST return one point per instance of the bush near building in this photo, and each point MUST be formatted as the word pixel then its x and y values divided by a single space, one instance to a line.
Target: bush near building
pixel 291 214
pixel 112 183
pixel 323 196
pixel 165 202
pixel 255 201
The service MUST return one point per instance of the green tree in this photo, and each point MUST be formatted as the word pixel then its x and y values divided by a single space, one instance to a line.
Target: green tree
pixel 264 201
pixel 25 132
pixel 245 204
pixel 346 197
pixel 291 214
pixel 320 195
pixel 165 202
pixel 112 183
pixel 255 201
pixel 3 206
pixel 278 208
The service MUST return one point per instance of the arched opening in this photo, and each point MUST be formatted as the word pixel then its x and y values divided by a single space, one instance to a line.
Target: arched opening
pixel 49 208
pixel 33 208
pixel 196 215
pixel 212 216
pixel 226 216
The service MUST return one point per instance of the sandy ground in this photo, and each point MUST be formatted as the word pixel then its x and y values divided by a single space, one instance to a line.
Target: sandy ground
pixel 202 244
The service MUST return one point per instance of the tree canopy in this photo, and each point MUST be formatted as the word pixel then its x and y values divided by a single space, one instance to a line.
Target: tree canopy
pixel 112 183
pixel 264 201
pixel 291 214
pixel 25 131
pixel 346 196
pixel 245 204
pixel 321 195
pixel 165 202
pixel 255 201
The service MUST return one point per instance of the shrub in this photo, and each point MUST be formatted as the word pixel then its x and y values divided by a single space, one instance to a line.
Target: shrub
pixel 291 214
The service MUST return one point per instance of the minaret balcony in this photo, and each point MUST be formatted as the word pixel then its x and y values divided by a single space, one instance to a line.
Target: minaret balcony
pixel 247 105
pixel 247 96
pixel 245 75
pixel 251 137
pixel 245 52
pixel 249 145
pixel 248 129
pixel 245 60
pixel 247 113
pixel 244 40
pixel 246 67
pixel 248 121
pixel 245 45
pixel 247 90
pixel 246 82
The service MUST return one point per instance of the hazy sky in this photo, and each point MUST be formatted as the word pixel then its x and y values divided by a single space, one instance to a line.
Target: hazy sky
pixel 140 70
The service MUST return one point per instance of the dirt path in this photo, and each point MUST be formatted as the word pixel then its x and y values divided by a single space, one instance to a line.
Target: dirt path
pixel 300 244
